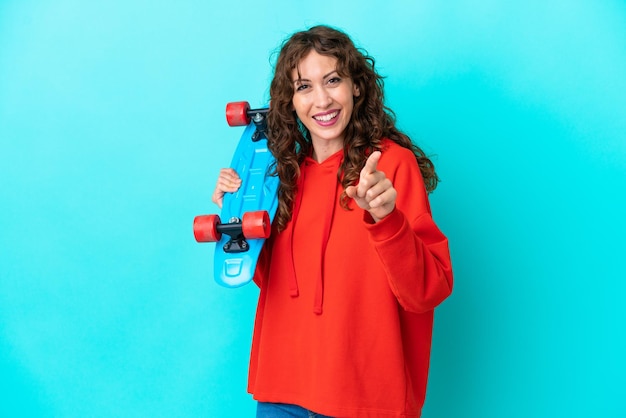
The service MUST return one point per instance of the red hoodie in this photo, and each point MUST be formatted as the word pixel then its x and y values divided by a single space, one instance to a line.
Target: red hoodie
pixel 345 314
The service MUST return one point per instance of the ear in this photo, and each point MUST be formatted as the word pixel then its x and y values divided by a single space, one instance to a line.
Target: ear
pixel 355 91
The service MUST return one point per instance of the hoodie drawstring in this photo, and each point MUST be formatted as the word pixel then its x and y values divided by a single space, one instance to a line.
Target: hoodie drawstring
pixel 326 219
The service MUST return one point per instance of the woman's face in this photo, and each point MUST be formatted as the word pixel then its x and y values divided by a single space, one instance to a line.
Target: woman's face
pixel 323 100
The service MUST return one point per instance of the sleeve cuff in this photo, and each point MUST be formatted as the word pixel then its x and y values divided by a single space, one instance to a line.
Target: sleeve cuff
pixel 387 227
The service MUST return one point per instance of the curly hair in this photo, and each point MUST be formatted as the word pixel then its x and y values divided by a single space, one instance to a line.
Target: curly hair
pixel 370 123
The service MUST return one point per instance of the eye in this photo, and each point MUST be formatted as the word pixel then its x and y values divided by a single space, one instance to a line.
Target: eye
pixel 334 80
pixel 301 87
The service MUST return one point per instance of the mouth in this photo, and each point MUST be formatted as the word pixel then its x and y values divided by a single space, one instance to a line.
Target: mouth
pixel 326 117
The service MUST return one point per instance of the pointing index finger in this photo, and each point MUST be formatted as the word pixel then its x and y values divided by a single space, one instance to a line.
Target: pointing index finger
pixel 372 163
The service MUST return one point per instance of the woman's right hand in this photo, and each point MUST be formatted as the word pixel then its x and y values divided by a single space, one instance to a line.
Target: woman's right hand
pixel 227 182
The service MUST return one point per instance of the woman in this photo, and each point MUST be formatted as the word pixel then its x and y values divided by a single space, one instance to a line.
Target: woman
pixel 355 265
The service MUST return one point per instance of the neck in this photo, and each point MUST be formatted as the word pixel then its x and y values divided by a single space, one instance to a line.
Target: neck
pixel 322 151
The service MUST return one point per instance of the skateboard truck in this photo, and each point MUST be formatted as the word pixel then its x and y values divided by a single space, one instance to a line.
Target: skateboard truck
pixel 260 122
pixel 253 225
pixel 240 114
pixel 237 242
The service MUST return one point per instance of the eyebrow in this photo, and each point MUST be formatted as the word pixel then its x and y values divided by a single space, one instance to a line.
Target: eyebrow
pixel 299 80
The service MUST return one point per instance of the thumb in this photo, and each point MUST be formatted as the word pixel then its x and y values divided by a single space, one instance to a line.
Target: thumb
pixel 351 191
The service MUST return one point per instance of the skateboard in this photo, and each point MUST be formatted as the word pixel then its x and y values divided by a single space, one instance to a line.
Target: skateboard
pixel 245 220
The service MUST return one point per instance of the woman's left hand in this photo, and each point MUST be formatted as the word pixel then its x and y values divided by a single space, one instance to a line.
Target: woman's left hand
pixel 374 192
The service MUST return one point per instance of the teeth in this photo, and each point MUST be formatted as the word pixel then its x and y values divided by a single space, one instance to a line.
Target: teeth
pixel 326 118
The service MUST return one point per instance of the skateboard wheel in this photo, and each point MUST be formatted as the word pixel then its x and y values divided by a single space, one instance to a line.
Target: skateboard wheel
pixel 256 224
pixel 205 228
pixel 237 113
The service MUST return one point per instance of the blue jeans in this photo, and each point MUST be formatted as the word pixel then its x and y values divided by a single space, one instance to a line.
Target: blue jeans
pixel 283 410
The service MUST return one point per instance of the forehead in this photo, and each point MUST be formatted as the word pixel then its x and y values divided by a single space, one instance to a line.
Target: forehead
pixel 314 65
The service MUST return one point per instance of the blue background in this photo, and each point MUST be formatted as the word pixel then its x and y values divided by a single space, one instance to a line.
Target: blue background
pixel 112 131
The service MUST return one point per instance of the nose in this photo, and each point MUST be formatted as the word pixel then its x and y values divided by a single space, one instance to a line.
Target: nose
pixel 322 98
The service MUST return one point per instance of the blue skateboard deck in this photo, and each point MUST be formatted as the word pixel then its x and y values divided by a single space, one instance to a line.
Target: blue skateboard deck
pixel 246 216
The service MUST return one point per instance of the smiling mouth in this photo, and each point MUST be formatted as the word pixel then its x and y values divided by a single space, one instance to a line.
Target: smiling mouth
pixel 327 117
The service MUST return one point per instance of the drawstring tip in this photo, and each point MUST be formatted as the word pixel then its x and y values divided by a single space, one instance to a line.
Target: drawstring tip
pixel 317 310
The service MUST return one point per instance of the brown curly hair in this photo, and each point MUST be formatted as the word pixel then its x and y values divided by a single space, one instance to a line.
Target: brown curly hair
pixel 371 120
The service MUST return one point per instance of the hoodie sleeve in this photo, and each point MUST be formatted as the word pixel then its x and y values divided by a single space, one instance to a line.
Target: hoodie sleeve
pixel 413 250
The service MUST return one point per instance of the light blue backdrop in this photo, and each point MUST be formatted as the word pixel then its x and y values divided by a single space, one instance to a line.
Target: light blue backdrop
pixel 112 132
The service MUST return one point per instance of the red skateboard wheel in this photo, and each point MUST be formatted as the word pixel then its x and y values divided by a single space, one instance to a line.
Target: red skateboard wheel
pixel 256 224
pixel 205 228
pixel 237 113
